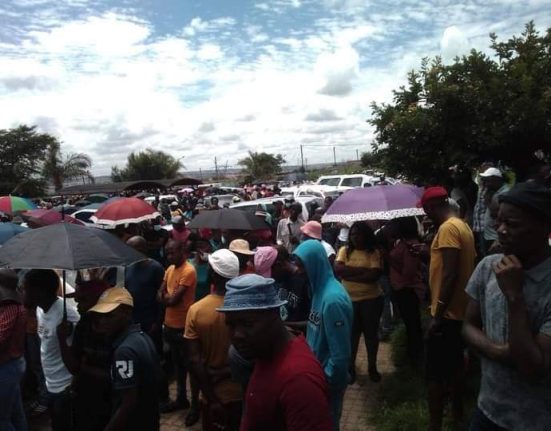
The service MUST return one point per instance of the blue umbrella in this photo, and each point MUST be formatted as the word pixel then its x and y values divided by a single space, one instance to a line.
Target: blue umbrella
pixel 9 230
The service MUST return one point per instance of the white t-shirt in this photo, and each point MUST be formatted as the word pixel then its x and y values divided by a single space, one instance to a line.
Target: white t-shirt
pixel 328 248
pixel 56 374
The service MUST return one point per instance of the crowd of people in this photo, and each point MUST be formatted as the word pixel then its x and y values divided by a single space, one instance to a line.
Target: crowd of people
pixel 260 330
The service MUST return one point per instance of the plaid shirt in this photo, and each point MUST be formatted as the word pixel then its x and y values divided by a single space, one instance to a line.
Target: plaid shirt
pixel 12 331
pixel 479 210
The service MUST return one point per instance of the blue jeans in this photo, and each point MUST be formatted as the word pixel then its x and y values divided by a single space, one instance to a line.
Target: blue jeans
pixel 336 399
pixel 12 415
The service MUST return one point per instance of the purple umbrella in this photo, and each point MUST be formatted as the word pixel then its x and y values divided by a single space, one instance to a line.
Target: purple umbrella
pixel 375 203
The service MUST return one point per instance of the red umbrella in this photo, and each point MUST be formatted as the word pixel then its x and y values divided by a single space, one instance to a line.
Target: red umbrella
pixel 43 217
pixel 124 211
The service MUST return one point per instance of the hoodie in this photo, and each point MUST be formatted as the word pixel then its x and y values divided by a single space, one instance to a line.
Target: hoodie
pixel 330 319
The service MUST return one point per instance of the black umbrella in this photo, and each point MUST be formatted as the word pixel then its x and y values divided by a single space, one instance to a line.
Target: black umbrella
pixel 227 219
pixel 66 246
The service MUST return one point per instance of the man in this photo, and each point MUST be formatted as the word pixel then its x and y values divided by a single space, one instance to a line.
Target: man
pixel 479 211
pixel 508 319
pixel 177 293
pixel 41 287
pixel 242 250
pixel 214 204
pixel 451 265
pixel 179 231
pixel 175 210
pixel 135 365
pixel 143 280
pixel 495 185
pixel 288 229
pixel 329 324
pixel 287 390
pixel 12 362
pixel 208 342
pixel 313 230
pixel 88 359
pixel 292 285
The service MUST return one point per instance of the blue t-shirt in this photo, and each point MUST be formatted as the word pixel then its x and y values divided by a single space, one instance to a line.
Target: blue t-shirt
pixel 143 280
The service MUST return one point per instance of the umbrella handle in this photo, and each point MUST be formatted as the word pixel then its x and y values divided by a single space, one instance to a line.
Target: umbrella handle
pixel 64 293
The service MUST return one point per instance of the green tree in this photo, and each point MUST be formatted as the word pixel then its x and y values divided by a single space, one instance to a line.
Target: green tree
pixel 22 151
pixel 147 165
pixel 477 109
pixel 59 168
pixel 258 166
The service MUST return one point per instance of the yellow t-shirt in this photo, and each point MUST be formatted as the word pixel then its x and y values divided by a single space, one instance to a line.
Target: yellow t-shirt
pixel 361 259
pixel 184 275
pixel 453 233
pixel 208 326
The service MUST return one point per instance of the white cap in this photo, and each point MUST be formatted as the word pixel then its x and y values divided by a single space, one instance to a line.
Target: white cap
pixel 224 263
pixel 491 172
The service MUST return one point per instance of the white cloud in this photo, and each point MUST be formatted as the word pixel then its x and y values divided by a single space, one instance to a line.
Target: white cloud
pixel 337 71
pixel 453 43
pixel 283 73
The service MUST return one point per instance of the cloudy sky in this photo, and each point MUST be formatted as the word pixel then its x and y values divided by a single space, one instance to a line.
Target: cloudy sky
pixel 221 77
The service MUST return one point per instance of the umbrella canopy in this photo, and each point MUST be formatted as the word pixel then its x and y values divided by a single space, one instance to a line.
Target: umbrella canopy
pixel 66 246
pixel 13 204
pixel 97 198
pixel 43 217
pixel 9 230
pixel 375 203
pixel 97 205
pixel 124 211
pixel 227 219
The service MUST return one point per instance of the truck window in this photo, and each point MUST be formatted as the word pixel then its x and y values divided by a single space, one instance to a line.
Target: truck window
pixel 334 182
pixel 352 182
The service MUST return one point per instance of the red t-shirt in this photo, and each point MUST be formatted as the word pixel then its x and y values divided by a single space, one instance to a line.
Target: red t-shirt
pixel 288 393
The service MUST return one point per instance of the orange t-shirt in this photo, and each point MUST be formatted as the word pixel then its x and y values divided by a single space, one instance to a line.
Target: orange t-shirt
pixel 184 275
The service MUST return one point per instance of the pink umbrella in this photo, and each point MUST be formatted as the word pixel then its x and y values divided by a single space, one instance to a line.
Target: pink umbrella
pixel 124 211
pixel 44 217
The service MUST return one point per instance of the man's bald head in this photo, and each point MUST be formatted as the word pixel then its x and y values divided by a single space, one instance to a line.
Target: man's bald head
pixel 138 243
pixel 8 279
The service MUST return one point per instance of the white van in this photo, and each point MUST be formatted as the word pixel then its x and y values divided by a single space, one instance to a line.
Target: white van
pixel 347 182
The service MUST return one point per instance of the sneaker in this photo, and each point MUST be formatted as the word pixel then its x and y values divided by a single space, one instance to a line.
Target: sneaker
pixel 172 406
pixel 375 376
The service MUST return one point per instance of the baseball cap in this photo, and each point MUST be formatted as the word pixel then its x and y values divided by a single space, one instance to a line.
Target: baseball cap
pixel 436 192
pixel 491 172
pixel 111 299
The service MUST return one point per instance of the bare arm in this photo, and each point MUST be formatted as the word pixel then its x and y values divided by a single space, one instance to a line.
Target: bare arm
pixel 450 258
pixel 174 299
pixel 119 420
pixel 478 341
pixel 200 371
pixel 531 353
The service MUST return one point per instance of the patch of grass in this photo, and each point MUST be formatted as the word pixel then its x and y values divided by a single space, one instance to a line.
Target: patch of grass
pixel 402 404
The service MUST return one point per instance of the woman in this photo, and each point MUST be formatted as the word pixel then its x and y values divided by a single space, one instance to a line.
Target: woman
pixel 359 267
pixel 406 278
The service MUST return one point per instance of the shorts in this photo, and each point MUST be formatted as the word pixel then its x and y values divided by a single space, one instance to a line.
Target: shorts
pixel 445 352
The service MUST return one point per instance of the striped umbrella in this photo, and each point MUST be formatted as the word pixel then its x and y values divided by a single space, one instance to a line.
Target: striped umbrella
pixel 14 204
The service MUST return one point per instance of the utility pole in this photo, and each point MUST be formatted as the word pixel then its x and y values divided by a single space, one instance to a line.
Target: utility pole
pixel 301 158
pixel 357 155
pixel 201 173
pixel 216 167
pixel 334 157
